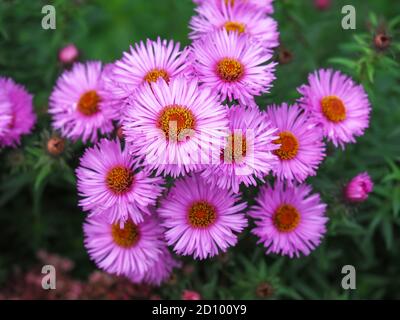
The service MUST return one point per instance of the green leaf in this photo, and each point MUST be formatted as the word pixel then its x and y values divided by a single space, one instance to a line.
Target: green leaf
pixel 373 19
pixel 396 201
pixel 387 231
pixel 43 174
pixel 370 72
pixel 343 61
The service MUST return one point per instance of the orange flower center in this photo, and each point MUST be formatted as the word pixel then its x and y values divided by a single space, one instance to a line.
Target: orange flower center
pixel 88 103
pixel 289 146
pixel 234 26
pixel 230 70
pixel 202 214
pixel 333 109
pixel 236 148
pixel 286 218
pixel 174 119
pixel 119 179
pixel 155 74
pixel 127 236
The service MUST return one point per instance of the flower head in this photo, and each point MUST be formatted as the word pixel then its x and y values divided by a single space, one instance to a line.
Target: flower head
pixel 264 6
pixel 238 18
pixel 337 104
pixel 358 188
pixel 127 250
pixel 80 105
pixel 201 220
pixel 248 150
pixel 113 185
pixel 300 146
pixel 160 271
pixel 175 125
pixel 16 112
pixel 289 220
pixel 233 65
pixel 147 62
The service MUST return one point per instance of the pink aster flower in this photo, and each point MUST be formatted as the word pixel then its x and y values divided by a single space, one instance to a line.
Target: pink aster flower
pixel 127 250
pixel 16 112
pixel 289 220
pixel 146 63
pixel 112 185
pixel 174 126
pixel 232 65
pixel 300 146
pixel 248 152
pixel 336 103
pixel 200 219
pixel 265 6
pixel 68 54
pixel 238 18
pixel 160 271
pixel 5 114
pixel 358 188
pixel 80 105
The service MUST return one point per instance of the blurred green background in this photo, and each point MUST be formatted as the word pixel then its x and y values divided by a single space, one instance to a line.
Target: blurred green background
pixel 38 201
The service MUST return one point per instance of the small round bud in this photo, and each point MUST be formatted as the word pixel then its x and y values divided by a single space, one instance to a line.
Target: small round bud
pixel 55 146
pixel 68 54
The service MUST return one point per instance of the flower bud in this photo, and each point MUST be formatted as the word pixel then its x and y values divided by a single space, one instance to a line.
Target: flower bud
pixel 358 188
pixel 190 295
pixel 55 146
pixel 68 54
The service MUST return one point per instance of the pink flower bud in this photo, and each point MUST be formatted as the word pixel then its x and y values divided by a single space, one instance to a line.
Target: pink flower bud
pixel 322 4
pixel 68 54
pixel 358 188
pixel 190 295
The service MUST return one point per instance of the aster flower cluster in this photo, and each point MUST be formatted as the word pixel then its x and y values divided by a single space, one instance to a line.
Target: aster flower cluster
pixel 189 116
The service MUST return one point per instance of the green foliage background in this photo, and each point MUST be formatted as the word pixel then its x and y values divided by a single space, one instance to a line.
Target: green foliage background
pixel 38 201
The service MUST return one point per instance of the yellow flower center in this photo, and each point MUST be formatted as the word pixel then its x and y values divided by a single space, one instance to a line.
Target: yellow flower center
pixel 88 103
pixel 202 214
pixel 286 218
pixel 155 74
pixel 174 119
pixel 333 109
pixel 119 179
pixel 289 146
pixel 127 236
pixel 230 70
pixel 234 26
